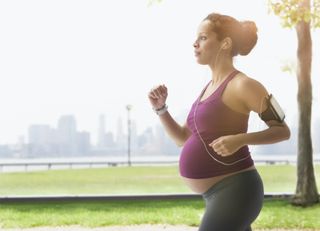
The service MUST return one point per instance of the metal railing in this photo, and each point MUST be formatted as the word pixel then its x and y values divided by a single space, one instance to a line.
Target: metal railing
pixel 80 198
pixel 89 164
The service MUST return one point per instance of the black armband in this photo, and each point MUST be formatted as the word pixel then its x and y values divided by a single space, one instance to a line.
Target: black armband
pixel 273 111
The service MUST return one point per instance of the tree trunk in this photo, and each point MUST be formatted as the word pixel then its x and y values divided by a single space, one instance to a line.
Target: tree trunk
pixel 306 189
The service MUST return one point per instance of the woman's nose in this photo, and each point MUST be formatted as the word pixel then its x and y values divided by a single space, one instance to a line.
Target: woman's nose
pixel 195 44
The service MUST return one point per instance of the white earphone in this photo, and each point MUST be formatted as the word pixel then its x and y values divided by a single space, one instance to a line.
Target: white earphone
pixel 224 45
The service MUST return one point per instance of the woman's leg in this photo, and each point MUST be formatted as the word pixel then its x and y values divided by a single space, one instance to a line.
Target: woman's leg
pixel 233 203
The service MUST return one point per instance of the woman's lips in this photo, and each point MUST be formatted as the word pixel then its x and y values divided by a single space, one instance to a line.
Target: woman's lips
pixel 196 53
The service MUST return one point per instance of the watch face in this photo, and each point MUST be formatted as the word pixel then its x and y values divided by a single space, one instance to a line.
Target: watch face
pixel 277 107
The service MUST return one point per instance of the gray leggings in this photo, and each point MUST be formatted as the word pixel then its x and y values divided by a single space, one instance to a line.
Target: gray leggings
pixel 233 203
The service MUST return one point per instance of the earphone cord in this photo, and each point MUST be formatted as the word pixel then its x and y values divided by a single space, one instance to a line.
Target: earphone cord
pixel 195 124
pixel 221 162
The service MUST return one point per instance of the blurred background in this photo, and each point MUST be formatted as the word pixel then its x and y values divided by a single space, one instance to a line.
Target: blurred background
pixel 75 76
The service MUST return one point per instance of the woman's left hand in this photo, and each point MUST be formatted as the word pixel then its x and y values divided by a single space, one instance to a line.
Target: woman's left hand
pixel 226 145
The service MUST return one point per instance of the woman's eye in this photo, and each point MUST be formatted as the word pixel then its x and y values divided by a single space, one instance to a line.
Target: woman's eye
pixel 203 38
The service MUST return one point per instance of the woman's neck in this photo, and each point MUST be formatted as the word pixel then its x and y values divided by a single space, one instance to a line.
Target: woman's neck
pixel 221 70
pixel 220 73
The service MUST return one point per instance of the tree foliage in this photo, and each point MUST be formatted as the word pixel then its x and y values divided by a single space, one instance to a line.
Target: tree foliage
pixel 151 2
pixel 291 13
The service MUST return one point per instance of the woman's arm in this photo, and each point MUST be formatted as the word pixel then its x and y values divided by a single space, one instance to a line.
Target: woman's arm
pixel 275 133
pixel 158 96
pixel 178 133
pixel 253 96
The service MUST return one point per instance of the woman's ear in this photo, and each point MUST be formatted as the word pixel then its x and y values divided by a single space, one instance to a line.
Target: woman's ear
pixel 227 43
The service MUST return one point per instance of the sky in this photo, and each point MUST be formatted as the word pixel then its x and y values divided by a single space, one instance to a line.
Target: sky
pixel 88 57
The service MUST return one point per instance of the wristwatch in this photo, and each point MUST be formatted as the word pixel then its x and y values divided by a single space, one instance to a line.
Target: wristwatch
pixel 161 110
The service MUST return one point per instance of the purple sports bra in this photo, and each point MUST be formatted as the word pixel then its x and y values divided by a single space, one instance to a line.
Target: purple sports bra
pixel 208 120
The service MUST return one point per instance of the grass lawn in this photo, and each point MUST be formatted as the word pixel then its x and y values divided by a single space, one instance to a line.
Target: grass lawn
pixel 136 180
pixel 275 214
pixel 128 180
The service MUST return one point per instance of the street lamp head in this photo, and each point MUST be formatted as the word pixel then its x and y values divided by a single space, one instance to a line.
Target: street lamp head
pixel 129 107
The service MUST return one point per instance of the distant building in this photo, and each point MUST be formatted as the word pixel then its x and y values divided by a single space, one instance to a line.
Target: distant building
pixel 40 138
pixel 102 132
pixel 5 151
pixel 39 134
pixel 83 143
pixel 121 141
pixel 67 135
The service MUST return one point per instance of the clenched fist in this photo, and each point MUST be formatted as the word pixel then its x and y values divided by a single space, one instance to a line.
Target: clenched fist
pixel 158 96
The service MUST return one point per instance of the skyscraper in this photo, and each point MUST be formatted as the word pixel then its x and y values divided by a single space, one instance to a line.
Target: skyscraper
pixel 40 138
pixel 120 137
pixel 39 134
pixel 102 132
pixel 67 135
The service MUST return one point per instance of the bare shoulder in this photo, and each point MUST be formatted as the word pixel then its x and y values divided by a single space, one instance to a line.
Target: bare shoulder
pixel 250 91
pixel 244 84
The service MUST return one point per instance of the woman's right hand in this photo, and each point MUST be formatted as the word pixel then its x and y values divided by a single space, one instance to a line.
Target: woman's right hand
pixel 158 96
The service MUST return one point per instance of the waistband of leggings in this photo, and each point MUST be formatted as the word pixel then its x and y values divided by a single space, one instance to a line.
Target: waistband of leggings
pixel 227 180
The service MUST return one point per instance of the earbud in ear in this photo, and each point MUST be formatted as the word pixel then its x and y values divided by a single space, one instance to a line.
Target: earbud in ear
pixel 224 45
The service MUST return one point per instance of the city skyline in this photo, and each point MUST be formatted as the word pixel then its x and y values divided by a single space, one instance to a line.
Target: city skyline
pixel 66 140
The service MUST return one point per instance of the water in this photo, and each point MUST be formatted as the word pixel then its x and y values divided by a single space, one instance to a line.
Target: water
pixel 40 164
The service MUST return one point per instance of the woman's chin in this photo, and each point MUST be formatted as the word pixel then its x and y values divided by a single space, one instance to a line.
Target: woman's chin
pixel 201 62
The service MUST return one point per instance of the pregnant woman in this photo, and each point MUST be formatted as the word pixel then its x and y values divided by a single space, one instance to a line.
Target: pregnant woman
pixel 215 160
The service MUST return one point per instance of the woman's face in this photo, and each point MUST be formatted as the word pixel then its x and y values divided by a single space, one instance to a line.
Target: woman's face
pixel 206 46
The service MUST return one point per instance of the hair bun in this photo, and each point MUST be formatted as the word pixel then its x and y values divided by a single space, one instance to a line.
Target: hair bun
pixel 248 37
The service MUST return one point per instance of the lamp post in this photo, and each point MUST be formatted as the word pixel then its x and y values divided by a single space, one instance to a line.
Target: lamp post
pixel 129 107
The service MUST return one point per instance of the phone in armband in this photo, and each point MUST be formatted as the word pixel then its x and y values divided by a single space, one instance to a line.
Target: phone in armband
pixel 273 112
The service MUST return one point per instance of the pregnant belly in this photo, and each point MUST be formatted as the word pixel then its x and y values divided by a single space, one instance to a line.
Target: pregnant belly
pixel 198 160
pixel 202 185
pixel 200 167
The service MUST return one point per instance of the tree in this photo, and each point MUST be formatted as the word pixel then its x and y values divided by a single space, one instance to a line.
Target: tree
pixel 300 15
